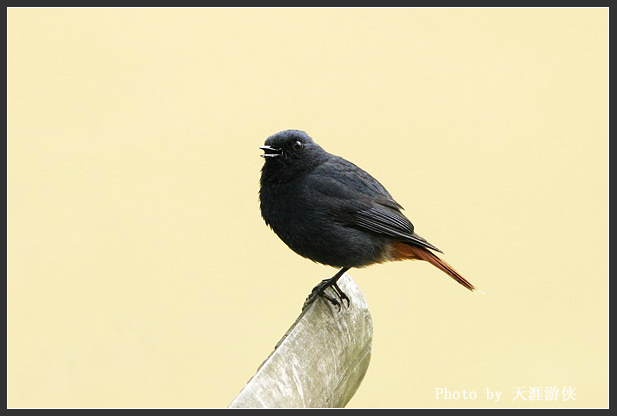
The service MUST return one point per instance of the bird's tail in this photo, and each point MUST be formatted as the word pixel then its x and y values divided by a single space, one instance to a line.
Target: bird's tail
pixel 403 251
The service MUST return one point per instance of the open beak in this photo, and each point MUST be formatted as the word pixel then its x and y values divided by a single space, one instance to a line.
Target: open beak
pixel 270 151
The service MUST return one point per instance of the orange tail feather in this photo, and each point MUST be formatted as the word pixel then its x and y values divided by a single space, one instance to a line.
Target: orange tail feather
pixel 403 251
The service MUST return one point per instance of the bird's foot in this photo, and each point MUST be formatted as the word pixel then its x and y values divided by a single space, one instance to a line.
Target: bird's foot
pixel 320 291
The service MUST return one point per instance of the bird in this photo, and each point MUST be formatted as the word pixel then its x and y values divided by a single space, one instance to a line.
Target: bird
pixel 327 209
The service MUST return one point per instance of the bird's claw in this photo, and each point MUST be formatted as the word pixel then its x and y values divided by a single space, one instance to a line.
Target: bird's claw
pixel 320 290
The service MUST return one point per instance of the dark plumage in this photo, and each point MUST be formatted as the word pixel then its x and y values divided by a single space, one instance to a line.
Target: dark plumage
pixel 327 209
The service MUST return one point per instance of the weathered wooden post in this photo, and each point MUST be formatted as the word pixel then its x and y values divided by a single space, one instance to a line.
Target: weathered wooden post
pixel 320 361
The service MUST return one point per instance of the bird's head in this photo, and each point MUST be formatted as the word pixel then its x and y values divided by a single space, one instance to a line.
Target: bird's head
pixel 291 151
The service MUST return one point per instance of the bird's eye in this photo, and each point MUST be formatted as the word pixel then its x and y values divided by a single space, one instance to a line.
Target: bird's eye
pixel 298 145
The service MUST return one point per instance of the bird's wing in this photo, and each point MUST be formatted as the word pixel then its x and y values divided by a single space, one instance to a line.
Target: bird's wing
pixel 391 222
pixel 340 175
pixel 358 200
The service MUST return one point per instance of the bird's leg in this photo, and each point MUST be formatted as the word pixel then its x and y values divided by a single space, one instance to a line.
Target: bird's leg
pixel 320 289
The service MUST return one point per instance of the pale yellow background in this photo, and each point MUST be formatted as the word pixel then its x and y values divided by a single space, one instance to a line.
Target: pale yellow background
pixel 140 273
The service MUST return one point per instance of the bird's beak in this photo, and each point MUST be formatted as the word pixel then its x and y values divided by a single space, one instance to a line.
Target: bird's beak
pixel 270 151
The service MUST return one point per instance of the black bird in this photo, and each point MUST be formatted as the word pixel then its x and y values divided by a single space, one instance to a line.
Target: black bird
pixel 327 209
